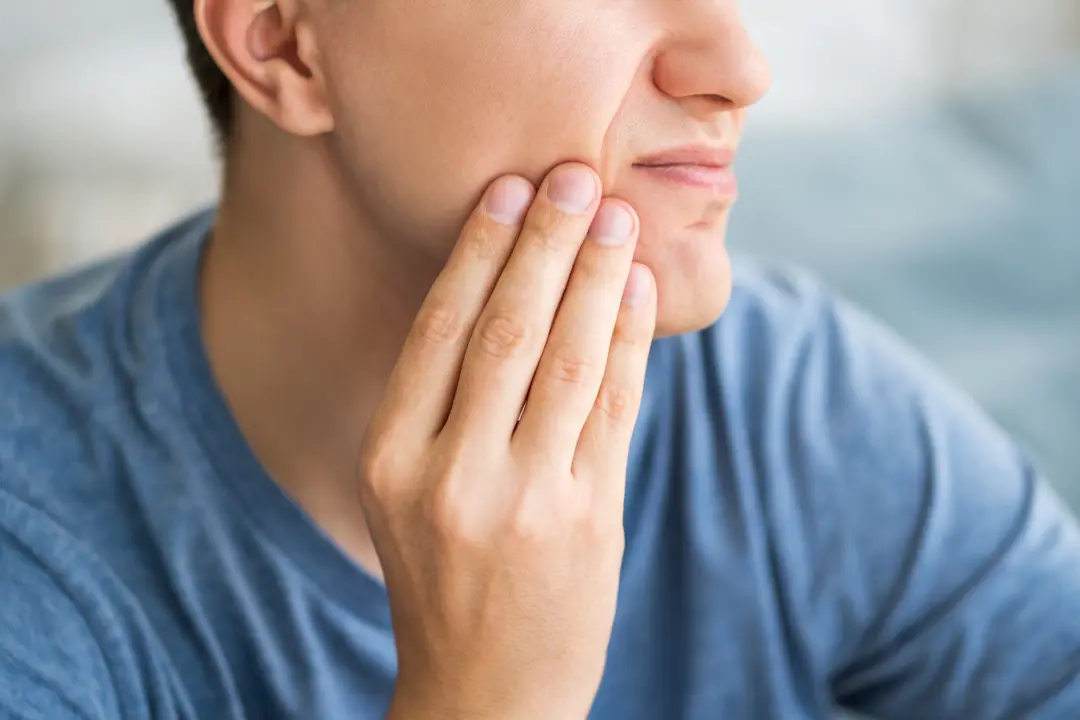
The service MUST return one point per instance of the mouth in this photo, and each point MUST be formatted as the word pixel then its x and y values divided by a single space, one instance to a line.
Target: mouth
pixel 695 166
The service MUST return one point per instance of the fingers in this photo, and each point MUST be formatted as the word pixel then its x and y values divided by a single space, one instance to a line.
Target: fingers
pixel 422 385
pixel 573 363
pixel 606 436
pixel 513 328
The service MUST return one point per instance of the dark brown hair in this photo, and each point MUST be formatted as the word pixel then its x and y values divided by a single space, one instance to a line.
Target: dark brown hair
pixel 217 91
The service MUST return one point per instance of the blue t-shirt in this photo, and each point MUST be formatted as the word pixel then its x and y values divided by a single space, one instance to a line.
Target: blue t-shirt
pixel 812 520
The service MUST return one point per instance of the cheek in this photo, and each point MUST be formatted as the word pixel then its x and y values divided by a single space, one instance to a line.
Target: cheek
pixel 516 94
pixel 548 102
pixel 692 269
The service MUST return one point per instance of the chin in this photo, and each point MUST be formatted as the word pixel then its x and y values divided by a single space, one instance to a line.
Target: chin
pixel 692 269
pixel 691 299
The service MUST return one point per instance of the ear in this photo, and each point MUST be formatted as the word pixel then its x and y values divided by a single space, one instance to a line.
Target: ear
pixel 270 57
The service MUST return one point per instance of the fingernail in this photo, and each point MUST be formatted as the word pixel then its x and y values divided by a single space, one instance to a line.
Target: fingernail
pixel 508 199
pixel 612 225
pixel 572 189
pixel 637 286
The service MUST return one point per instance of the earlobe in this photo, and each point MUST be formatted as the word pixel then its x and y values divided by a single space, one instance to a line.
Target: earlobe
pixel 256 45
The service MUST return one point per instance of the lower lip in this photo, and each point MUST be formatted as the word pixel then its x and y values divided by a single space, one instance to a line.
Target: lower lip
pixel 721 180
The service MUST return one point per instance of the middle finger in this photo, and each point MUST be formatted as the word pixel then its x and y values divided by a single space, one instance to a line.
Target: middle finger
pixel 512 330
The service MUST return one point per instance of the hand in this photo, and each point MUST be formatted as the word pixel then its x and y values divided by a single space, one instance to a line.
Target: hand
pixel 498 522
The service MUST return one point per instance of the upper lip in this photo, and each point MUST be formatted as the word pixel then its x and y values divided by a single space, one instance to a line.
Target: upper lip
pixel 702 155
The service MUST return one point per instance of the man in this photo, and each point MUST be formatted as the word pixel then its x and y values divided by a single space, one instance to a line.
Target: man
pixel 386 434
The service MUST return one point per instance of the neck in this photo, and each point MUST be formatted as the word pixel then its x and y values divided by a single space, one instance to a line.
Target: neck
pixel 306 307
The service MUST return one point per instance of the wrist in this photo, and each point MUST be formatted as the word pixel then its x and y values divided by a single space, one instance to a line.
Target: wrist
pixel 419 706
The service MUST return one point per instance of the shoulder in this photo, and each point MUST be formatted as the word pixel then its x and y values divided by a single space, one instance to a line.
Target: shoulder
pixel 82 391
pixel 883 490
pixel 50 657
pixel 79 375
pixel 81 364
pixel 52 368
pixel 792 325
pixel 806 402
pixel 849 439
pixel 57 367
pixel 798 360
pixel 53 638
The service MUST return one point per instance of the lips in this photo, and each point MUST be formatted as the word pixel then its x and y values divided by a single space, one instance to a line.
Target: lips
pixel 693 166
pixel 692 155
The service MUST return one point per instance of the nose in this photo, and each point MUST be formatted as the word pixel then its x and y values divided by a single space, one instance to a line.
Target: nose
pixel 711 56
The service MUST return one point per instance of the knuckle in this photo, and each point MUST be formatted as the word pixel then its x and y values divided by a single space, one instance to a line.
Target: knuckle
pixel 501 336
pixel 440 324
pixel 603 526
pixel 567 365
pixel 378 466
pixel 447 512
pixel 373 458
pixel 372 496
pixel 549 229
pixel 614 400
pixel 535 517
pixel 532 525
pixel 483 241
pixel 597 525
pixel 593 265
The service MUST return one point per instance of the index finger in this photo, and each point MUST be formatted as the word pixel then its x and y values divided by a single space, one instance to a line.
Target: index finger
pixel 422 385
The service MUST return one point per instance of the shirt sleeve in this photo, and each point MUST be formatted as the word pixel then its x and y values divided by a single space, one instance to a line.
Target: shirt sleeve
pixel 922 548
pixel 22 697
pixel 50 664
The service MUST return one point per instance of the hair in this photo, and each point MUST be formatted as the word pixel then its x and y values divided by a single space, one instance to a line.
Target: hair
pixel 215 88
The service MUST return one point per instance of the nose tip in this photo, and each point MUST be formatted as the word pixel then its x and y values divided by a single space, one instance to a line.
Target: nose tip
pixel 759 76
pixel 714 58
pixel 746 70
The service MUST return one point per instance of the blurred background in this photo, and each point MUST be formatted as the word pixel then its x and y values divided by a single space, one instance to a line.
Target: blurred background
pixel 922 156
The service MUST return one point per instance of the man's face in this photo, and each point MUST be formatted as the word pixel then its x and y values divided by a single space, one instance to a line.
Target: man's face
pixel 433 99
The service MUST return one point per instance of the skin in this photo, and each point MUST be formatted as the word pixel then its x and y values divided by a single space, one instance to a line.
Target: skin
pixel 341 322
pixel 500 529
